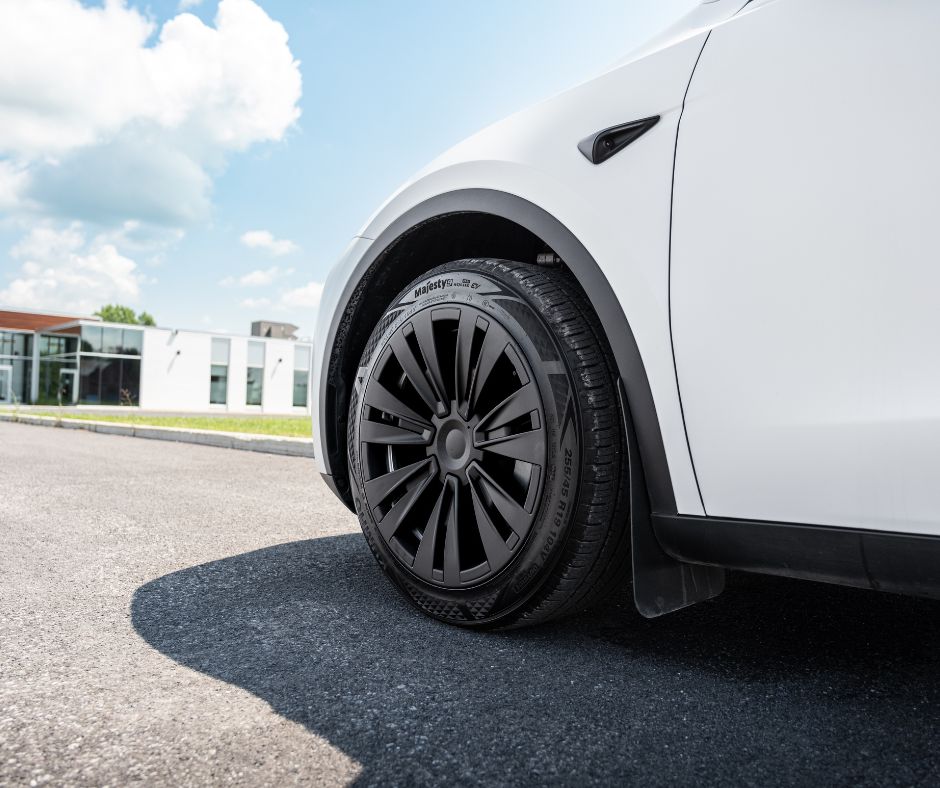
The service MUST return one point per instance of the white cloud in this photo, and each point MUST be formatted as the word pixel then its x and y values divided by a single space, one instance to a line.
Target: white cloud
pixel 71 75
pixel 46 243
pixel 263 239
pixel 185 5
pixel 307 297
pixel 59 270
pixel 105 117
pixel 258 278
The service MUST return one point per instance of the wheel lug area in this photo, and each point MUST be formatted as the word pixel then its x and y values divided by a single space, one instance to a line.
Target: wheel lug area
pixel 452 443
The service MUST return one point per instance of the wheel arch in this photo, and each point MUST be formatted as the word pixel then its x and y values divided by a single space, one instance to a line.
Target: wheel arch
pixel 478 223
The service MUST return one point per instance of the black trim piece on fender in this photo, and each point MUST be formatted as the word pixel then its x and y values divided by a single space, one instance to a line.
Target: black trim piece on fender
pixel 599 147
pixel 881 560
pixel 585 269
pixel 661 584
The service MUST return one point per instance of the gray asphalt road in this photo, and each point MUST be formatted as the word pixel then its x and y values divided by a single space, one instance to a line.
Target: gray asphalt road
pixel 181 614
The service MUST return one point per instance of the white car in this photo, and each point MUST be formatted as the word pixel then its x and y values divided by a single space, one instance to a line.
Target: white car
pixel 681 318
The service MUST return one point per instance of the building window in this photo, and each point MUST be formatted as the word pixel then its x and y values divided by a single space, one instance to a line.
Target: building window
pixel 52 374
pixel 57 366
pixel 91 339
pixel 14 380
pixel 15 344
pixel 218 372
pixel 132 342
pixel 108 365
pixel 301 375
pixel 53 345
pixel 254 379
pixel 15 367
pixel 104 380
pixel 113 341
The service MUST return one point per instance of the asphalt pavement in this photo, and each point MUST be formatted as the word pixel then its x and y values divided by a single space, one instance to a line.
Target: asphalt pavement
pixel 180 614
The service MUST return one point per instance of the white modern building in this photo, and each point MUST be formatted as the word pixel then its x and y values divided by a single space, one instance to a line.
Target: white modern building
pixel 51 359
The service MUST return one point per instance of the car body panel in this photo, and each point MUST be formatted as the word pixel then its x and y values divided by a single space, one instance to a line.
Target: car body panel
pixel 805 277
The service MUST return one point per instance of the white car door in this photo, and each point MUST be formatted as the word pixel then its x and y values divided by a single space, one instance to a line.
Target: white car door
pixel 805 273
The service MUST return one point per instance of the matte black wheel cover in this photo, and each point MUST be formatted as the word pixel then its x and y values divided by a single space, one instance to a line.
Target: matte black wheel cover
pixel 427 435
pixel 464 449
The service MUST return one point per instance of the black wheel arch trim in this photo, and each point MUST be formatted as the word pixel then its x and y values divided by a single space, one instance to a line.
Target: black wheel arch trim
pixel 585 269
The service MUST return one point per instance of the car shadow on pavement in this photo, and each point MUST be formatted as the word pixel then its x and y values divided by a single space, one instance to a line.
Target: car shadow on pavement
pixel 774 681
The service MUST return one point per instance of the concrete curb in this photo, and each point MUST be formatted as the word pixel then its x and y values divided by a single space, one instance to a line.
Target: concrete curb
pixel 269 444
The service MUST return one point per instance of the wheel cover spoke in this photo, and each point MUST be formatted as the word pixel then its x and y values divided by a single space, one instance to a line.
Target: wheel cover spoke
pixel 379 488
pixel 453 436
pixel 424 558
pixel 393 518
pixel 462 371
pixel 424 333
pixel 497 554
pixel 494 343
pixel 414 372
pixel 511 510
pixel 522 401
pixel 380 398
pixel 525 446
pixel 380 432
pixel 451 543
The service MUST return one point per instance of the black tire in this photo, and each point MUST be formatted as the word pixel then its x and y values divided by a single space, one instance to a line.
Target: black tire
pixel 487 451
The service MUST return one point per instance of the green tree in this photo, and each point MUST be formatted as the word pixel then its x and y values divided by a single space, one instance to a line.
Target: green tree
pixel 116 313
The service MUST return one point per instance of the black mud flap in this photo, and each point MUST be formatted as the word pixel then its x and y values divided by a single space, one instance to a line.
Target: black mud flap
pixel 661 584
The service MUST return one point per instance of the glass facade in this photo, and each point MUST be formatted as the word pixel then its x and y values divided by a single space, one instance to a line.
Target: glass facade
pixel 132 342
pixel 218 372
pixel 15 366
pixel 58 362
pixel 301 375
pixel 12 343
pixel 112 341
pixel 218 384
pixel 254 376
pixel 55 388
pixel 109 365
pixel 109 381
pixel 56 345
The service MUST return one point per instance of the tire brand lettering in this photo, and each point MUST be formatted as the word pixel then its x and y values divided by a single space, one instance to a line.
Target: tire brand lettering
pixel 440 284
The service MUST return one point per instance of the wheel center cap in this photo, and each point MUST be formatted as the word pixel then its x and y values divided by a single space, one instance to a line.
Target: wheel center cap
pixel 455 444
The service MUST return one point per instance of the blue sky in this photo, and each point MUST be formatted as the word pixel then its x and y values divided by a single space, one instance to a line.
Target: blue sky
pixel 135 176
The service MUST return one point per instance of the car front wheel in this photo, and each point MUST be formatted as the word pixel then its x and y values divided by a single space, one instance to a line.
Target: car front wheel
pixel 487 449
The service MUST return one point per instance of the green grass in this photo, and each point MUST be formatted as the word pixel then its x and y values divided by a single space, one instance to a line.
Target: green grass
pixel 287 426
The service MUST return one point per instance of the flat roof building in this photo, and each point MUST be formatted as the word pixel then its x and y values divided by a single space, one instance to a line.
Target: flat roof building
pixel 55 359
pixel 271 328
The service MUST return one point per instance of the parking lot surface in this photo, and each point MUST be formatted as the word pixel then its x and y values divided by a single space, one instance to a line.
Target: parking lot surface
pixel 181 614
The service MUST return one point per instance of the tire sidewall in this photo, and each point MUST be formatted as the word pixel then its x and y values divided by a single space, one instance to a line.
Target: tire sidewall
pixel 463 283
